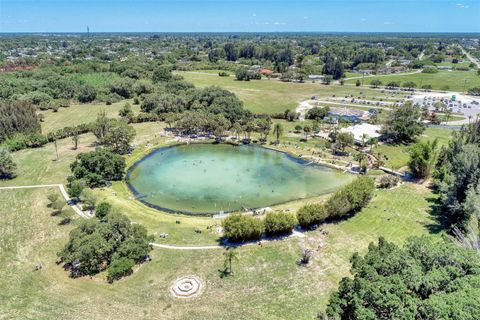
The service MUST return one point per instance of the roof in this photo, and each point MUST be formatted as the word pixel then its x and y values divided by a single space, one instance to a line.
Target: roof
pixel 358 130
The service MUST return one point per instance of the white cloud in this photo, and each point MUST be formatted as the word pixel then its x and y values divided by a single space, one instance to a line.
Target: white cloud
pixel 388 23
pixel 254 15
pixel 305 18
pixel 462 6
pixel 363 19
pixel 279 23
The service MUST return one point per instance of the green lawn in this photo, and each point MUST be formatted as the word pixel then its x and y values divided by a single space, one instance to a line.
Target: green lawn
pixel 81 113
pixel 273 96
pixel 455 80
pixel 398 154
pixel 267 283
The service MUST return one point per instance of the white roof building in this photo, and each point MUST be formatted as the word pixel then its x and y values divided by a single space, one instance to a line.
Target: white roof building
pixel 363 132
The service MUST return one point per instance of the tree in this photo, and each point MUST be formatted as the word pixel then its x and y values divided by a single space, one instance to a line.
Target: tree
pixel 425 279
pixel 343 140
pixel 58 206
pixel 75 188
pixel 403 124
pixel 75 138
pixel 317 113
pixel 118 137
pixel 119 268
pixel 126 112
pixel 410 85
pixel 307 130
pixel 17 117
pixel 243 74
pixel 97 167
pixel 100 126
pixel 102 209
pixel 362 159
pixel 7 166
pixel 278 131
pixel 422 158
pixel 96 245
pixel 230 255
pixel 162 74
pixel 375 83
pixel 87 94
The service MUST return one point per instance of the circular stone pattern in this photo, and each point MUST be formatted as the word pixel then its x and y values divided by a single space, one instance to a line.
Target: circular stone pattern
pixel 186 287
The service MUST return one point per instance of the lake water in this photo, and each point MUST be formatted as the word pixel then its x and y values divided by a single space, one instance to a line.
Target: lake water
pixel 209 178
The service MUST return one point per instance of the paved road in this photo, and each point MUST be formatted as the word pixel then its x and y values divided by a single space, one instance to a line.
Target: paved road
pixel 385 75
pixel 470 57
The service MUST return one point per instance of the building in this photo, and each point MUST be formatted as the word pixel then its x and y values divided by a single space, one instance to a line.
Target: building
pixel 363 132
pixel 348 114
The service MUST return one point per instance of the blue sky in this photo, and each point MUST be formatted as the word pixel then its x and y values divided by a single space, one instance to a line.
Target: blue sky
pixel 235 15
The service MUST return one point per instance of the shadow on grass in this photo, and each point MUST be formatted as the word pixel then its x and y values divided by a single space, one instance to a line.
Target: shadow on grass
pixel 436 211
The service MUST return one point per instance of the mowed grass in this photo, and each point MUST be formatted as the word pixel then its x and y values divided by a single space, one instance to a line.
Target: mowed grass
pixel 268 284
pixel 273 96
pixel 398 155
pixel 81 113
pixel 455 80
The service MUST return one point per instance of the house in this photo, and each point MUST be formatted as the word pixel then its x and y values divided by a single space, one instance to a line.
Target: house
pixel 266 72
pixel 348 114
pixel 363 132
pixel 314 77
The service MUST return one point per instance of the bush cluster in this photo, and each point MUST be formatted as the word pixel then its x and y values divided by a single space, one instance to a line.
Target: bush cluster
pixel 345 201
pixel 279 223
pixel 239 227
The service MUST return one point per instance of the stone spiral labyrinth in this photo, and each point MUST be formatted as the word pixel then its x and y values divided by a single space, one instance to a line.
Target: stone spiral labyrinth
pixel 186 287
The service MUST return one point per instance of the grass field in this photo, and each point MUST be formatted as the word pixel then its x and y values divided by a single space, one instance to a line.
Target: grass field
pixel 268 284
pixel 455 80
pixel 272 96
pixel 398 156
pixel 81 113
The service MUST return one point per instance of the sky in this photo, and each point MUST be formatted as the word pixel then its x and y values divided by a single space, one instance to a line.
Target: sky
pixel 239 15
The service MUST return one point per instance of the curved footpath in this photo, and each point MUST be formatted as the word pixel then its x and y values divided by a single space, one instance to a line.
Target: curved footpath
pixel 156 245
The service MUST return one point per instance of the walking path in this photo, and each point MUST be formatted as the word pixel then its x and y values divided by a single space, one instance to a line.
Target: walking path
pixel 62 191
pixel 156 245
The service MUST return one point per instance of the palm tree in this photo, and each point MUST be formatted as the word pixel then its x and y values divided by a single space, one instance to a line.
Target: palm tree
pixel 278 131
pixel 230 255
pixel 307 130
pixel 362 160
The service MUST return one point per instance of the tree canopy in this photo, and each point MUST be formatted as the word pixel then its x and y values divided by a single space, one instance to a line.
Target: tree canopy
pixel 426 279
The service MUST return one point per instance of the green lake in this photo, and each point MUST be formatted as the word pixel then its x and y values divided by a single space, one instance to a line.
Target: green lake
pixel 209 178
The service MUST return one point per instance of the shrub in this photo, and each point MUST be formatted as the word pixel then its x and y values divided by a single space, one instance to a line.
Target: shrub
pixel 238 227
pixel 388 181
pixel 430 69
pixel 102 209
pixel 311 214
pixel 350 198
pixel 279 223
pixel 119 267
pixel 7 166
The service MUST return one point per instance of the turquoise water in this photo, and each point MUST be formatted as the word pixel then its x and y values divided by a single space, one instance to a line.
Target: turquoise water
pixel 207 178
